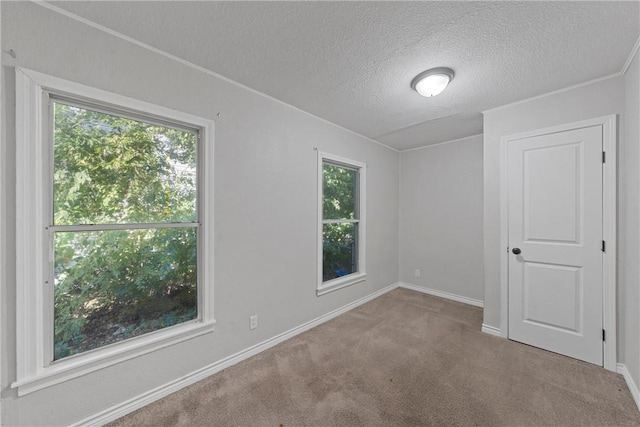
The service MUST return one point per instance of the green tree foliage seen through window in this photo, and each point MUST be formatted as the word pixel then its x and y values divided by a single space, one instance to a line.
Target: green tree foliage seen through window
pixel 339 239
pixel 112 284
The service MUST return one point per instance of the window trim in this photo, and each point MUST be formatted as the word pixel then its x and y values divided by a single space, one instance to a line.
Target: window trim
pixel 361 275
pixel 33 152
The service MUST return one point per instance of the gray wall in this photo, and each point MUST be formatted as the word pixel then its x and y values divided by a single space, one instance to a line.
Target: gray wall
pixel 629 227
pixel 3 249
pixel 585 102
pixel 441 217
pixel 265 208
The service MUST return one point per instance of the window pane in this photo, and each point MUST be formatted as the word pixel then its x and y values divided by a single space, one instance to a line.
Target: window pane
pixel 339 252
pixel 114 285
pixel 339 192
pixel 110 169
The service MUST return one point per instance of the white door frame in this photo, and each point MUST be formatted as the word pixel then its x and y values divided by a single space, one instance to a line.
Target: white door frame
pixel 609 220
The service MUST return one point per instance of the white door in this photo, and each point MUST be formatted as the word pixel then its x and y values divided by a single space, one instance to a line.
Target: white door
pixel 555 242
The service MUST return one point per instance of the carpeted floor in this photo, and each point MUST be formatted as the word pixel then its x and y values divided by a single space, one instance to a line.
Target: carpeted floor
pixel 404 359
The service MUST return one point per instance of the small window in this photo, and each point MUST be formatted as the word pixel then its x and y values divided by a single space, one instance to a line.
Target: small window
pixel 342 228
pixel 114 229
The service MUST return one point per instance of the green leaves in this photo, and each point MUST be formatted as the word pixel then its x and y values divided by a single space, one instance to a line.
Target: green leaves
pixel 121 278
pixel 111 285
pixel 110 169
pixel 339 254
pixel 339 202
pixel 339 192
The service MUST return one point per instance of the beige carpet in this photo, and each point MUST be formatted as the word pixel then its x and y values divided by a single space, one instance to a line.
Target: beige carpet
pixel 404 359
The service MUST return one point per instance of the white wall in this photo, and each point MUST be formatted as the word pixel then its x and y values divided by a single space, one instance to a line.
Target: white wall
pixel 265 208
pixel 441 217
pixel 594 100
pixel 630 222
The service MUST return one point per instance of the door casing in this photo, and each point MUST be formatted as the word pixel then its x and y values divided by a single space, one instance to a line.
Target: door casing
pixel 609 200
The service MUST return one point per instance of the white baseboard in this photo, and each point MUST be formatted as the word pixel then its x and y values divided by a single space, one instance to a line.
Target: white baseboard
pixel 128 406
pixel 633 387
pixel 442 294
pixel 491 330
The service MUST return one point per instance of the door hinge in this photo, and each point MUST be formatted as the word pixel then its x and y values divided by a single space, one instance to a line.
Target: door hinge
pixel 603 335
pixel 604 246
pixel 604 157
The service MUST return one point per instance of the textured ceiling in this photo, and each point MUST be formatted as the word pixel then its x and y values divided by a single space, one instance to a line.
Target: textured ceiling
pixel 351 62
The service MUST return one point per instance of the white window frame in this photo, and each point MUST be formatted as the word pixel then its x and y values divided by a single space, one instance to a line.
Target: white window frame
pixel 33 195
pixel 360 275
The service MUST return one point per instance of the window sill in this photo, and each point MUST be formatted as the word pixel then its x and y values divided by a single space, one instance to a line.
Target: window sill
pixel 82 364
pixel 341 282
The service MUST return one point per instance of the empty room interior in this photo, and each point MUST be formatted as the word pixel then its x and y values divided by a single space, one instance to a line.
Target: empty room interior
pixel 319 213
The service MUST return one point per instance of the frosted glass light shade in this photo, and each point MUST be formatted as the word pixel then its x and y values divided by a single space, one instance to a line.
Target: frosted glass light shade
pixel 432 82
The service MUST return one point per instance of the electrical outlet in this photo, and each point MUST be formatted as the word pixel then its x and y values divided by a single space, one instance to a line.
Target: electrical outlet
pixel 417 273
pixel 253 321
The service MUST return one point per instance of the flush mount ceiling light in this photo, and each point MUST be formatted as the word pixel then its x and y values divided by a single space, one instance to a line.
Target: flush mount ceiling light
pixel 432 82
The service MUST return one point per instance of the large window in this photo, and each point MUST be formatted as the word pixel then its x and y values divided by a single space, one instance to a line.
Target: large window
pixel 341 230
pixel 115 225
pixel 124 227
